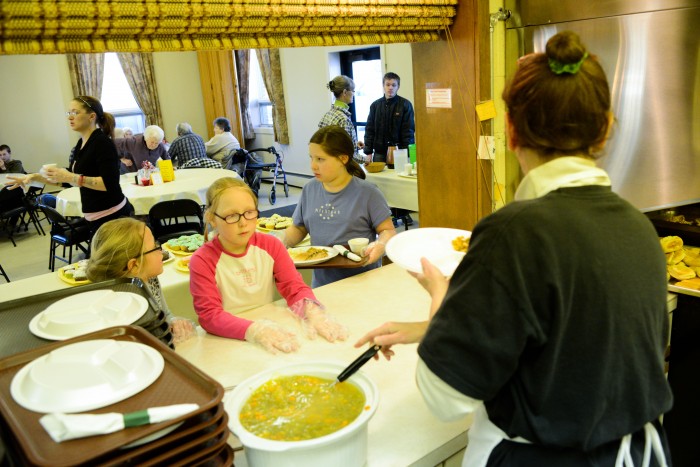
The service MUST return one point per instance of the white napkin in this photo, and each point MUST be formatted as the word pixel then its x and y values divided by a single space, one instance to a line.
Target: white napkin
pixel 62 427
pixel 348 254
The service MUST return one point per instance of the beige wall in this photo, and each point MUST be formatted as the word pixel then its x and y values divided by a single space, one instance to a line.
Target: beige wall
pixel 35 91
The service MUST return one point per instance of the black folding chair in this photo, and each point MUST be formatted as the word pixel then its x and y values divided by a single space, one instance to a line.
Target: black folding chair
pixel 4 274
pixel 13 209
pixel 170 219
pixel 32 203
pixel 67 233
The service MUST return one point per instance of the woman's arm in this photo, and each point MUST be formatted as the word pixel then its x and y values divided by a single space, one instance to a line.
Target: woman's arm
pixel 56 175
pixel 294 234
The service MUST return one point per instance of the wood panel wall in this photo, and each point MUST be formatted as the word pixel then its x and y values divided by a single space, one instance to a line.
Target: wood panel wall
pixel 217 72
pixel 453 187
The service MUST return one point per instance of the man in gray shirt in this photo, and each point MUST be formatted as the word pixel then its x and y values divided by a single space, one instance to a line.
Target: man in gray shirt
pixel 187 146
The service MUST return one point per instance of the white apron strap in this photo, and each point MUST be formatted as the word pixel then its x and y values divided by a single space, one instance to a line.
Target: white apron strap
pixel 652 441
pixel 484 436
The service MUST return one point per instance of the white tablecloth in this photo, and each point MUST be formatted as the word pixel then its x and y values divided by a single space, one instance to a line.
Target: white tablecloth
pixel 399 191
pixel 188 184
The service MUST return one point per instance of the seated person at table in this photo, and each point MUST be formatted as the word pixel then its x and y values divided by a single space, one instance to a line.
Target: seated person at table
pixel 238 270
pixel 126 248
pixel 7 164
pixel 223 140
pixel 339 205
pixel 187 146
pixel 137 149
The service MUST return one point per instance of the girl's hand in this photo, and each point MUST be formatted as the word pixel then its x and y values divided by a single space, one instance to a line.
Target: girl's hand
pixel 271 336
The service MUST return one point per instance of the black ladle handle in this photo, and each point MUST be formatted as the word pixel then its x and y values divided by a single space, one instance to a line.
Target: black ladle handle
pixel 361 360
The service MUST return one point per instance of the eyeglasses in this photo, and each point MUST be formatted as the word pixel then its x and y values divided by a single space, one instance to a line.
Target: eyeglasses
pixel 158 247
pixel 72 113
pixel 233 218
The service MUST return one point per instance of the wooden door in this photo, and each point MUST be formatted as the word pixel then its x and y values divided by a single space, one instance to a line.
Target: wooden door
pixel 217 72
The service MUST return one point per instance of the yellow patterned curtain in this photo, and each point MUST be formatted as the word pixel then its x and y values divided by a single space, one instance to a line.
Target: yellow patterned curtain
pixel 138 69
pixel 270 67
pixel 86 73
pixel 60 26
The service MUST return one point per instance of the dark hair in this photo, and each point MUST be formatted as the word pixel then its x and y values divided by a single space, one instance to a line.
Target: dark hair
pixel 223 123
pixel 105 120
pixel 4 147
pixel 391 75
pixel 559 101
pixel 335 142
pixel 339 84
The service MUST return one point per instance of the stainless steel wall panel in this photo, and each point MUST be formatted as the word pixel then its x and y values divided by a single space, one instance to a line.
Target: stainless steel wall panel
pixel 652 61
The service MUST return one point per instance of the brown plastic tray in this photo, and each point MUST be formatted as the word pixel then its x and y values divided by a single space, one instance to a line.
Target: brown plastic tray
pixel 15 315
pixel 179 383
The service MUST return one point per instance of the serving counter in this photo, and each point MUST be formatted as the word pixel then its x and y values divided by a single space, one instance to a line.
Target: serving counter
pixel 402 432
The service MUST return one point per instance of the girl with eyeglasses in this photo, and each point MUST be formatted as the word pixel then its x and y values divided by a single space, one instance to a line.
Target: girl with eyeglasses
pixel 239 269
pixel 94 165
pixel 126 248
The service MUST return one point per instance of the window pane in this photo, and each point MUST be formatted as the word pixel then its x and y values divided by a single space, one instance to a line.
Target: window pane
pixel 116 94
pixel 367 75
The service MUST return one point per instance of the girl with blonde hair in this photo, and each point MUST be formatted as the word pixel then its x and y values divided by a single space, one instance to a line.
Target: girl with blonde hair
pixel 239 269
pixel 126 248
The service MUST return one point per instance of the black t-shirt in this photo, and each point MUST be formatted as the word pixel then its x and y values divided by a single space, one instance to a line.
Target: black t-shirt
pixel 98 159
pixel 556 318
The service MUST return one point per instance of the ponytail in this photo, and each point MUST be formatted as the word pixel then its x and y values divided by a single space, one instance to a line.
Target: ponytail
pixel 107 124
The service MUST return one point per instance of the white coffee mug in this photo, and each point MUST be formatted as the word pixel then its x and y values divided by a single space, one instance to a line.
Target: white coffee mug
pixel 408 169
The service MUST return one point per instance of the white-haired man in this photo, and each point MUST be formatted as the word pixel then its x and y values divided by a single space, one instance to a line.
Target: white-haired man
pixel 140 148
pixel 187 147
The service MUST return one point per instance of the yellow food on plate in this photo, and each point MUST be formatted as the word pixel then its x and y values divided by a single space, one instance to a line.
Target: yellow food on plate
pixel 309 254
pixel 183 265
pixel 671 243
pixel 692 256
pixel 461 243
pixel 299 407
pixel 675 257
pixel 681 272
pixel 274 222
pixel 690 283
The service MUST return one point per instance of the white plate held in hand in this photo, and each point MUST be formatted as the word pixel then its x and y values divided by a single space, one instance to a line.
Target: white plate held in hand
pixel 88 312
pixel 86 375
pixel 433 243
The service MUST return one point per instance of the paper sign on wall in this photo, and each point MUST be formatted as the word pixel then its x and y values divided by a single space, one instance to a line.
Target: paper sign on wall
pixel 439 98
pixel 486 110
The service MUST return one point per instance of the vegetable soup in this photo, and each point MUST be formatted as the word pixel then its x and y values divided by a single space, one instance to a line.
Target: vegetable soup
pixel 296 408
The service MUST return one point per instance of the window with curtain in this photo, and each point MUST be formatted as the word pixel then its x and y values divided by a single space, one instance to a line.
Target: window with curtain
pixel 117 97
pixel 260 106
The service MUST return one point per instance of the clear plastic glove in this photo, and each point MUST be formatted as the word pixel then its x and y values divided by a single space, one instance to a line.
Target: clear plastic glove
pixel 271 336
pixel 182 329
pixel 315 321
pixel 373 252
pixel 58 175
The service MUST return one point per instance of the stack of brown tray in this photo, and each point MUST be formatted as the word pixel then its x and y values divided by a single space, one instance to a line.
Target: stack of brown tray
pixel 200 438
pixel 15 315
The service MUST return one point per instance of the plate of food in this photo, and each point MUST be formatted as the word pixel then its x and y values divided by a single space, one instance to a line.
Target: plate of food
pixel 74 274
pixel 87 312
pixel 183 265
pixel 168 256
pixel 184 245
pixel 443 247
pixel 307 255
pixel 274 222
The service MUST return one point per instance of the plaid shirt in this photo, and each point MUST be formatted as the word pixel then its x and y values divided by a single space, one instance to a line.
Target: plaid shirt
pixel 341 117
pixel 201 162
pixel 185 148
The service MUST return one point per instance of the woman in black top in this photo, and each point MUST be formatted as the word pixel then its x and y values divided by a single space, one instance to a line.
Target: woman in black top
pixel 94 164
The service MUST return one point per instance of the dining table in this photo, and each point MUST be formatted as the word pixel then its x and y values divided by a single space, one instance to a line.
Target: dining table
pixel 399 189
pixel 188 184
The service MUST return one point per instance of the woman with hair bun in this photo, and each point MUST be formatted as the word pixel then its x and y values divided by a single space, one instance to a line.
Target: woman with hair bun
pixel 553 328
pixel 223 140
pixel 94 164
pixel 338 204
pixel 343 89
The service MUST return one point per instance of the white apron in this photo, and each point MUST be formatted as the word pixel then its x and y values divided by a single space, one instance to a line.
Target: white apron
pixel 484 436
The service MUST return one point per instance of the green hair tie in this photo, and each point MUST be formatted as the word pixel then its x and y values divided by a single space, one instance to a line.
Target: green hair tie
pixel 571 68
